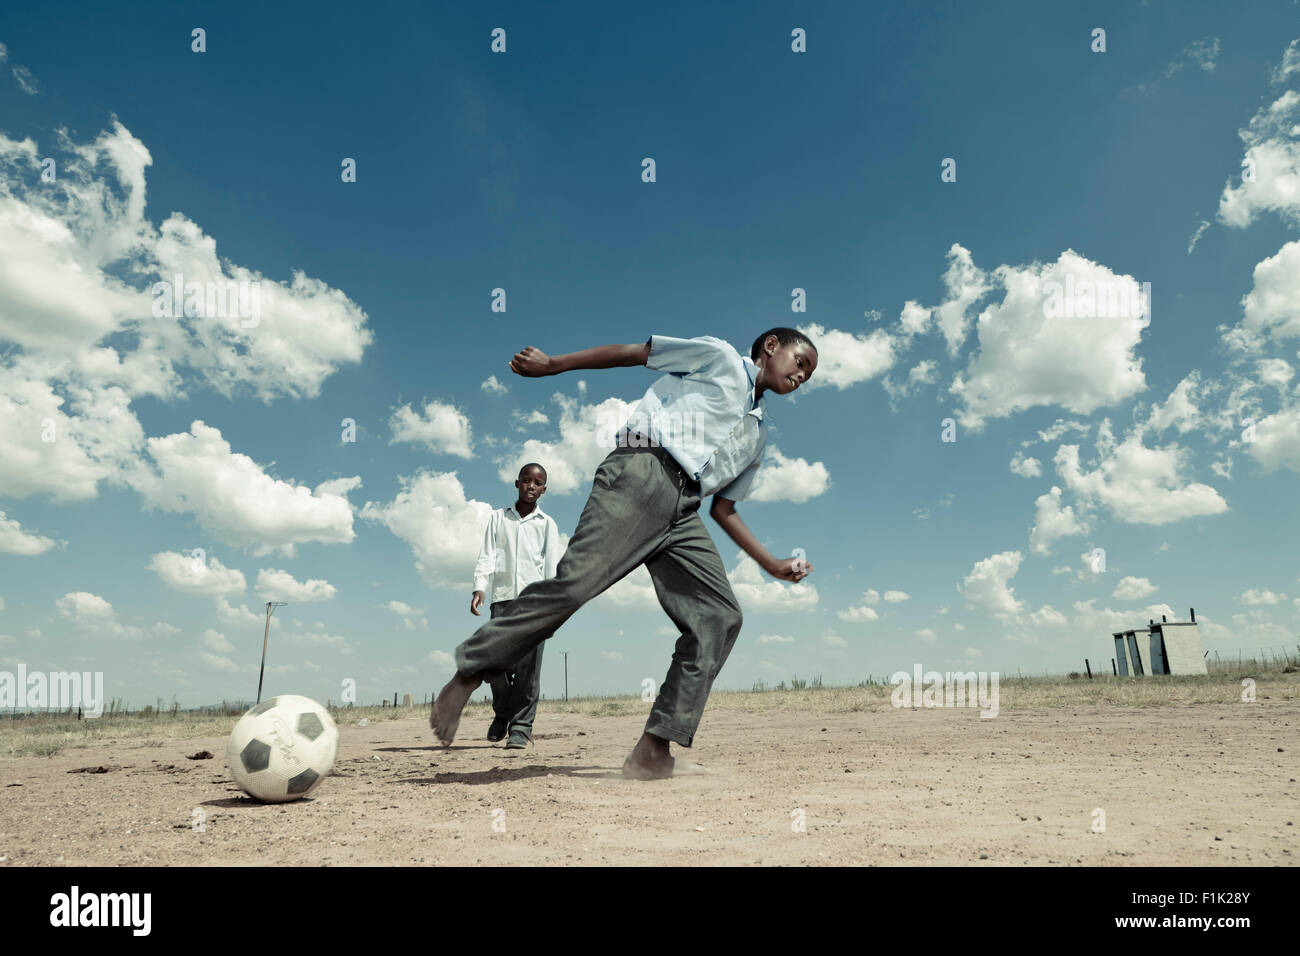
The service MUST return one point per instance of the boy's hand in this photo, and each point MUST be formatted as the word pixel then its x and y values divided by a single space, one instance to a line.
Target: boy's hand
pixel 476 602
pixel 532 362
pixel 791 569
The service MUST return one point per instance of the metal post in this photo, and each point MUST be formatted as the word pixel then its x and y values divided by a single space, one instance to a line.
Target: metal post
pixel 266 633
pixel 566 675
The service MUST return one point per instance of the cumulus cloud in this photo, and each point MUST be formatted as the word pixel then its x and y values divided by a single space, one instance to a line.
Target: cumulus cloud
pixel 494 386
pixel 1270 177
pixel 1257 596
pixel 14 540
pixel 986 588
pixel 274 585
pixel 441 428
pixel 1053 521
pixel 1132 588
pixel 95 617
pixel 196 574
pixel 1136 484
pixel 216 641
pixel 847 358
pixel 775 639
pixel 756 592
pixel 86 302
pixel 788 479
pixel 412 619
pixel 1026 467
pixel 1065 333
pixel 443 528
pixel 232 496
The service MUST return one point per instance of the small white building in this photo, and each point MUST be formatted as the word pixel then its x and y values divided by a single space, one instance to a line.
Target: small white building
pixel 1163 647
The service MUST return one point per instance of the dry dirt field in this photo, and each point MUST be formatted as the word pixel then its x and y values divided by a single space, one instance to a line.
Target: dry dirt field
pixel 1180 784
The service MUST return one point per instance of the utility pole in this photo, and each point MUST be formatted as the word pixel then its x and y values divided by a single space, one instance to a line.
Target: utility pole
pixel 566 675
pixel 270 609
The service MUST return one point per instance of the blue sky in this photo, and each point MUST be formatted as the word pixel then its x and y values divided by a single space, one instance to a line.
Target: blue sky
pixel 1171 440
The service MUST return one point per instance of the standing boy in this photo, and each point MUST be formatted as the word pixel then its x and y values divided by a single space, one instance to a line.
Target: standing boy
pixel 520 545
pixel 697 431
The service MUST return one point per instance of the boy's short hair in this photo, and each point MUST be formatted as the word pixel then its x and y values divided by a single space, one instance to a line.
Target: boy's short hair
pixel 533 464
pixel 784 336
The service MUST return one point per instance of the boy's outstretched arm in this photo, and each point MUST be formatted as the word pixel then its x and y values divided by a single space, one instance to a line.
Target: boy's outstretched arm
pixel 534 363
pixel 723 511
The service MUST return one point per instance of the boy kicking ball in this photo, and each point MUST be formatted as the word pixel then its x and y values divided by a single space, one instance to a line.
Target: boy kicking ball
pixel 697 431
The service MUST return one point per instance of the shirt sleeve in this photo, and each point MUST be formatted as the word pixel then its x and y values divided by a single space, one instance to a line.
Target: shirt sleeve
pixel 486 558
pixel 739 488
pixel 552 547
pixel 683 356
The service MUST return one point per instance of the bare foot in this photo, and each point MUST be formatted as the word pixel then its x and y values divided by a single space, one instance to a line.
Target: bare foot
pixel 444 715
pixel 649 760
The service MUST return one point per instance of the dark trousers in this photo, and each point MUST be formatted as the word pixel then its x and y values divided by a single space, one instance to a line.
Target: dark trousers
pixel 515 691
pixel 641 510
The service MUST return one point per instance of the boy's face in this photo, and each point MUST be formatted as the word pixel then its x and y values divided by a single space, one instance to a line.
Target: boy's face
pixel 786 367
pixel 531 484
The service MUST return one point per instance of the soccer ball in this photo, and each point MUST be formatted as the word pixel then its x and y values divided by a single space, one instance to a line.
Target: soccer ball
pixel 283 748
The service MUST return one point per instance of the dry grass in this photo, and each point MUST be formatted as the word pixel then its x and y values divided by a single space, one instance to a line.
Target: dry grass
pixel 46 735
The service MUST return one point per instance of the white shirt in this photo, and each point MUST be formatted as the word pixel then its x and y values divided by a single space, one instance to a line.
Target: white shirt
pixel 516 552
pixel 705 412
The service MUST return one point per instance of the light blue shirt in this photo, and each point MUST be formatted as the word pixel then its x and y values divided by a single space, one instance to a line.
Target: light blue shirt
pixel 704 413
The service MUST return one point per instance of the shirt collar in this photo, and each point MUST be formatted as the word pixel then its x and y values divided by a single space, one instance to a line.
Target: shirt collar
pixel 752 371
pixel 537 510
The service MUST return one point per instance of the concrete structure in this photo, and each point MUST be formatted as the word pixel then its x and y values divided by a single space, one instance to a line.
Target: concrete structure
pixel 1164 647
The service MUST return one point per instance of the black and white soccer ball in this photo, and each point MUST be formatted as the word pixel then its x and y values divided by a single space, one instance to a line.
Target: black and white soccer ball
pixel 283 748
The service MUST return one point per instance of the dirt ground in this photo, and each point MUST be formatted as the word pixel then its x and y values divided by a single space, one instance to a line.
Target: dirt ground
pixel 1179 785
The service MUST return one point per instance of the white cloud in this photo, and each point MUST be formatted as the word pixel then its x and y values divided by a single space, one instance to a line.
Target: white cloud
pixel 441 428
pixel 755 592
pixel 966 284
pixel 216 641
pixel 1272 307
pixel 1273 156
pixel 1179 410
pixel 1290 62
pixel 494 386
pixel 788 479
pixel 236 616
pixel 95 617
pixel 834 641
pixel 412 619
pixel 232 497
pixel 535 417
pixel 442 661
pixel 1030 353
pixel 78 264
pixel 274 585
pixel 894 597
pixel 925 635
pixel 1052 522
pixel 1277 440
pixel 1026 467
pixel 775 639
pixel 847 358
pixel 611 656
pixel 1257 596
pixel 443 528
pixel 1132 588
pixel 202 575
pixel 1196 236
pixel 856 614
pixel 1138 485
pixel 14 540
pixel 985 587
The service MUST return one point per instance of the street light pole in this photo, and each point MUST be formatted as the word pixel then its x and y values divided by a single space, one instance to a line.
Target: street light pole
pixel 266 633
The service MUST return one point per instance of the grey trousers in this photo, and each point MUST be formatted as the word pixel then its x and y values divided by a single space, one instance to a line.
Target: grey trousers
pixel 515 691
pixel 639 512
